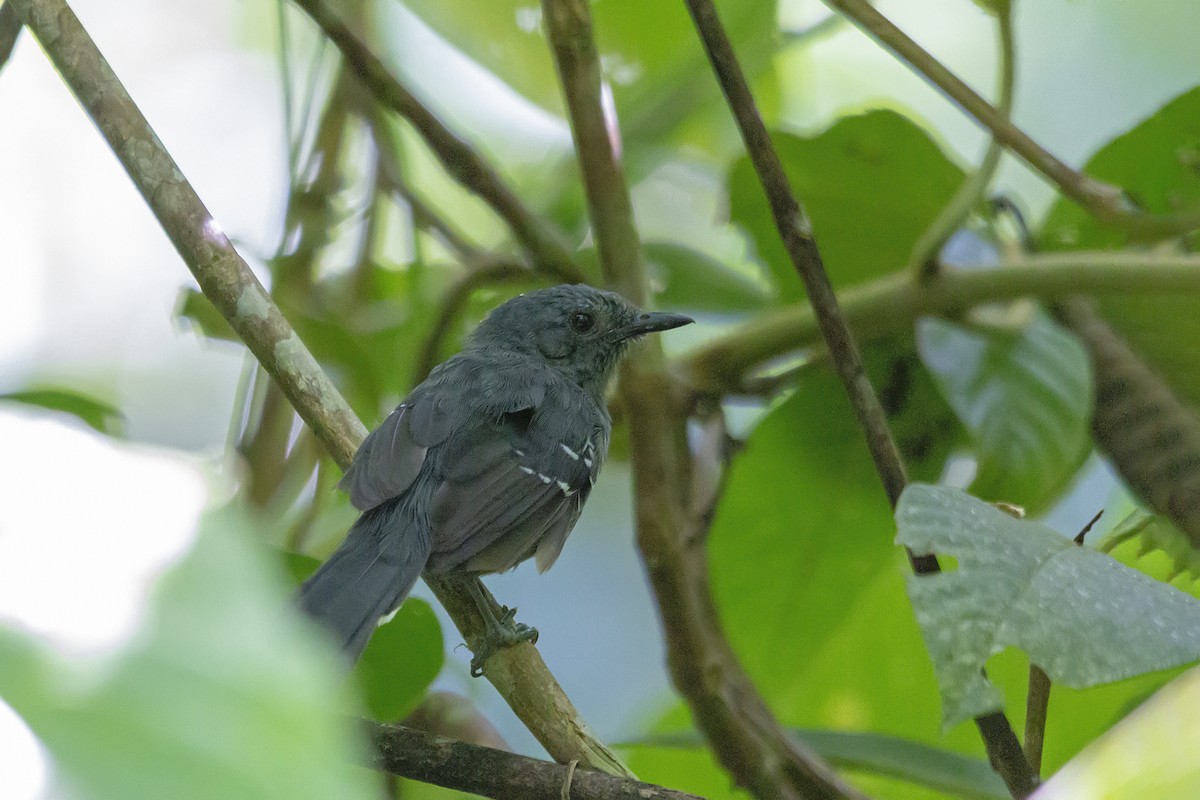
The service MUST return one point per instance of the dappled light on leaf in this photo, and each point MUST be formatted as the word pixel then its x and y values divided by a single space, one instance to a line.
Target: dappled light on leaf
pixel 1082 617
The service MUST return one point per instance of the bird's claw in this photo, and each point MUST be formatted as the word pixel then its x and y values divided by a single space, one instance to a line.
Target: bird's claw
pixel 505 632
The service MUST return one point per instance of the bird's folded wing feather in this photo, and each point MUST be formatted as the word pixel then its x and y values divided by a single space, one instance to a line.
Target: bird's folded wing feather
pixel 510 491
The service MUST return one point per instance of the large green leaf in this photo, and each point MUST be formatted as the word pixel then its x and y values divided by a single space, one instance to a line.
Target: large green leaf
pixel 1150 754
pixel 649 52
pixel 872 184
pixel 1025 395
pixel 1081 616
pixel 778 543
pixel 1158 163
pixel 224 693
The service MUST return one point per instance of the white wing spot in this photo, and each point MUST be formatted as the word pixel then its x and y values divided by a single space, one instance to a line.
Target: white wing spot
pixel 519 453
pixel 546 480
pixel 526 470
pixel 587 462
pixel 566 487
pixel 574 456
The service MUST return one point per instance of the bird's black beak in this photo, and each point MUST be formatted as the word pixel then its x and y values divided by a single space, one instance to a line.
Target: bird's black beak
pixel 652 322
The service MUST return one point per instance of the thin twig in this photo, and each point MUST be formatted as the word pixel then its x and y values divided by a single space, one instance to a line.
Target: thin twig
pixel 745 736
pixel 542 244
pixel 518 673
pixel 393 180
pixel 1004 750
pixel 1037 698
pixel 489 772
pixel 893 301
pixel 1106 202
pixel 1037 703
pixel 924 259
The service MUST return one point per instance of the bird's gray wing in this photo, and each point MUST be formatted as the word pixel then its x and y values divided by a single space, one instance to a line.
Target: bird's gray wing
pixel 389 458
pixel 509 486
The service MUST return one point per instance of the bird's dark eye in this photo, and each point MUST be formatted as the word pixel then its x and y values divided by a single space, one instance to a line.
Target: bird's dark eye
pixel 582 321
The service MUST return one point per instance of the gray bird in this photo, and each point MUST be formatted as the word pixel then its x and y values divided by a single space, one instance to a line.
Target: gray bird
pixel 488 462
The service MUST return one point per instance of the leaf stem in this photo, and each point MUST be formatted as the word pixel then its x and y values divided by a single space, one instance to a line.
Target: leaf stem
pixel 924 259
pixel 1037 702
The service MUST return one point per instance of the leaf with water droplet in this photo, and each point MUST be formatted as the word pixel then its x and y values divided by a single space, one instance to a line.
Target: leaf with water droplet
pixel 1081 616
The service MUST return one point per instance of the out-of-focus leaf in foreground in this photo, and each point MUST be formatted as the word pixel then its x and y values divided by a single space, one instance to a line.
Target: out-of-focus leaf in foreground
pixel 403 657
pixel 223 693
pixel 1081 616
pixel 1151 753
pixel 95 413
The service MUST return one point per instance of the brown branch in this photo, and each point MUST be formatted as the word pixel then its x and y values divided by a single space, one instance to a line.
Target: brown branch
pixel 485 771
pixel 795 229
pixel 542 244
pixel 518 673
pixel 745 736
pixel 1106 202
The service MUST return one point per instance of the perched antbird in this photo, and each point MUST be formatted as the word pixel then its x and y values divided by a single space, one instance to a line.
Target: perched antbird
pixel 487 463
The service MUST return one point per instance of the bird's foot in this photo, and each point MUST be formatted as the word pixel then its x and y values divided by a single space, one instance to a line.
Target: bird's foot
pixel 499 633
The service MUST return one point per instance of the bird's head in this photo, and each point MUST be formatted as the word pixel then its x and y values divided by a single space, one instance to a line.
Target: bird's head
pixel 579 331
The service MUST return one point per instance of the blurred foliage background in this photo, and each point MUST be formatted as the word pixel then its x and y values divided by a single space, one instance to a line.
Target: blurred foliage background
pixel 383 261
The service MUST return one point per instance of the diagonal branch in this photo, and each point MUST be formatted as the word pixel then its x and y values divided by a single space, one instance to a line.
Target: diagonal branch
pixel 745 736
pixel 795 229
pixel 1104 201
pixel 542 244
pixel 518 673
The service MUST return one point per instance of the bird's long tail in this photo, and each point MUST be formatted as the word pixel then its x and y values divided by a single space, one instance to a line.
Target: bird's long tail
pixel 369 575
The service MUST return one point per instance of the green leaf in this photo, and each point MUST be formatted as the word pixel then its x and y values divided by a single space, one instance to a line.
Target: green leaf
pixel 1152 753
pixel 893 756
pixel 649 52
pixel 850 178
pixel 1081 617
pixel 1157 162
pixel 224 693
pixel 403 658
pixel 97 414
pixel 1024 394
pixel 776 543
pixel 199 311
